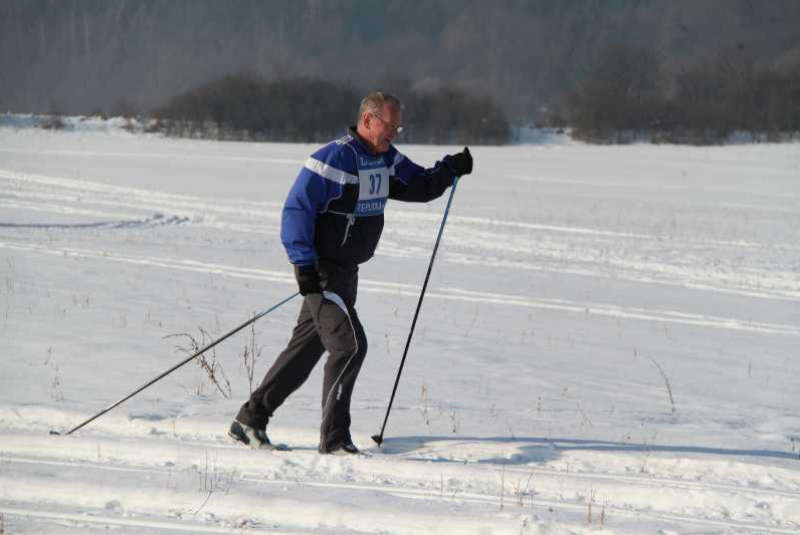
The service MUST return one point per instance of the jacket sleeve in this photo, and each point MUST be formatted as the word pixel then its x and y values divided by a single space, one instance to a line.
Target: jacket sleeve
pixel 318 183
pixel 413 183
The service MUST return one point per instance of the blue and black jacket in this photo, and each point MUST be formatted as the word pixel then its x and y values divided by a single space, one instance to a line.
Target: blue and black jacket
pixel 334 211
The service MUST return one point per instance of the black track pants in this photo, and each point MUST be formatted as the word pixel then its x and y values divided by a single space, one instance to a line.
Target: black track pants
pixel 327 321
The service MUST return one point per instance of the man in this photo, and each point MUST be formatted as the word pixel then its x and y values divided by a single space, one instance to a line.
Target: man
pixel 332 221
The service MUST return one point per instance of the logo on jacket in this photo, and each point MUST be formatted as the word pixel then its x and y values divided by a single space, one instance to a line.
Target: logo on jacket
pixel 369 162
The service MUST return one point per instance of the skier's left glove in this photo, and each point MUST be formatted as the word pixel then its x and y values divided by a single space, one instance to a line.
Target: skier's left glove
pixel 459 164
pixel 307 279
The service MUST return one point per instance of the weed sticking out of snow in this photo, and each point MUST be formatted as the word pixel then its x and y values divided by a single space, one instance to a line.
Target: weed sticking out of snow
pixel 210 365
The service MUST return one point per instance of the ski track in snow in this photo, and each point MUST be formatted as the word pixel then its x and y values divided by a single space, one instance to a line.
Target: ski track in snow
pixel 482 241
pixel 453 294
pixel 179 462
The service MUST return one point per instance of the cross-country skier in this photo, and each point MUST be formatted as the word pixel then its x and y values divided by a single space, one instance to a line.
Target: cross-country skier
pixel 332 221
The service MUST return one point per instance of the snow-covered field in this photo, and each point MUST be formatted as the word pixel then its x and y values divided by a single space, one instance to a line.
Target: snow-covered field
pixel 609 341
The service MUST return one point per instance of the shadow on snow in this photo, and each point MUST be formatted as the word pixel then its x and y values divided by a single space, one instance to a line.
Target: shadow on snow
pixel 538 450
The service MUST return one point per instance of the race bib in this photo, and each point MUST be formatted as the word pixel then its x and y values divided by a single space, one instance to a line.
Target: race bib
pixel 373 180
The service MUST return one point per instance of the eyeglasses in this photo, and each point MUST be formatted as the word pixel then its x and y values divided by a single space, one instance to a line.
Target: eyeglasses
pixel 397 128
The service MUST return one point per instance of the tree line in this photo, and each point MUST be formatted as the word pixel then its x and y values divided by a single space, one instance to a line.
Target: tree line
pixel 628 94
pixel 82 56
pixel 248 107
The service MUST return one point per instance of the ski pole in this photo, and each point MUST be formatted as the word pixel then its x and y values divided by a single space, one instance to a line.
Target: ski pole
pixel 379 437
pixel 169 371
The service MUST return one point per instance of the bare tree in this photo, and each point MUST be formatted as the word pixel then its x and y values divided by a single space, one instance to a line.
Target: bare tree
pixel 621 92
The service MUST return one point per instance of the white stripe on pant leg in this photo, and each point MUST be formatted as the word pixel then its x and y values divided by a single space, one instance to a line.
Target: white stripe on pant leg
pixel 334 298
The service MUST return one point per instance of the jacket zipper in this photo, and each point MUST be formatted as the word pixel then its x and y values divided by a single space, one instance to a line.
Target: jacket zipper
pixel 351 219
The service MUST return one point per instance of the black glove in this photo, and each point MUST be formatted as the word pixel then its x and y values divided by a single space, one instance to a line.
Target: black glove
pixel 307 279
pixel 459 164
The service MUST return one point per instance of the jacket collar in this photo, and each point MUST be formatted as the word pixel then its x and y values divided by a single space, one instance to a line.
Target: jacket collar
pixel 363 145
pixel 359 141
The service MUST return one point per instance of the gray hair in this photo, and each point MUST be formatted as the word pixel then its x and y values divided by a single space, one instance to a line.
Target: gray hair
pixel 374 102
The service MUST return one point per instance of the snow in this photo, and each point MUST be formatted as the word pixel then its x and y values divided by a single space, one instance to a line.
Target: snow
pixel 608 341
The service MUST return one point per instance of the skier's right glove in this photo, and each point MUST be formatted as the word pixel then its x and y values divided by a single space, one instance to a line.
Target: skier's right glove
pixel 307 279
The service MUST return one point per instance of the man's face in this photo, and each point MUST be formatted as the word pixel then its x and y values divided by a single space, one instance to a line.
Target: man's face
pixel 380 129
